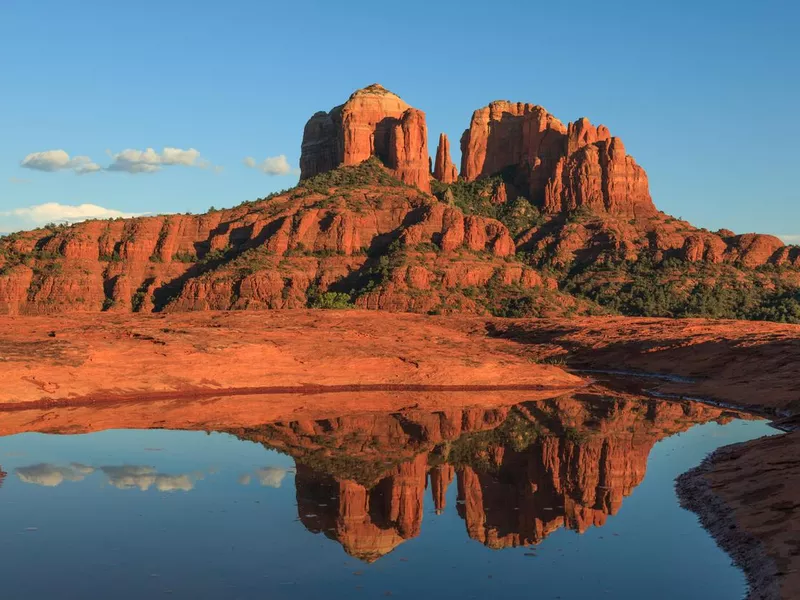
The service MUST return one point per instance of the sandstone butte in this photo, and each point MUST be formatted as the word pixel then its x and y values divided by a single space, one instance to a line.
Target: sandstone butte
pixel 555 166
pixel 373 122
pixel 362 222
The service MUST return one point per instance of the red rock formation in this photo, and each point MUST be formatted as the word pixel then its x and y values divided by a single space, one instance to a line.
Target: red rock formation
pixel 373 122
pixel 584 459
pixel 582 133
pixel 562 482
pixel 262 255
pixel 341 510
pixel 274 253
pixel 444 170
pixel 752 250
pixel 506 134
pixel 561 167
pixel 500 194
pixel 408 150
pixel 370 519
pixel 600 176
pixel 441 477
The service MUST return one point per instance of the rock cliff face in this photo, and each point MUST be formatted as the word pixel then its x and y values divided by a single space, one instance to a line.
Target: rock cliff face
pixel 373 122
pixel 444 170
pixel 275 253
pixel 558 168
pixel 362 223
pixel 583 460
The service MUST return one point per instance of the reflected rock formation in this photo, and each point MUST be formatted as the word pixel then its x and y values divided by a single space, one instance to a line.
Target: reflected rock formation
pixel 521 472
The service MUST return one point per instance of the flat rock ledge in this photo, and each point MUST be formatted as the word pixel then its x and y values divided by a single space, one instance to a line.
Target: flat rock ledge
pixel 695 494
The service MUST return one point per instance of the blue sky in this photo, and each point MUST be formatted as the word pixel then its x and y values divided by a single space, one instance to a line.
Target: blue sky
pixel 704 93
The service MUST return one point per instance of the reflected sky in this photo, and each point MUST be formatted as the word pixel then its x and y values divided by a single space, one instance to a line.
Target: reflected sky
pixel 572 498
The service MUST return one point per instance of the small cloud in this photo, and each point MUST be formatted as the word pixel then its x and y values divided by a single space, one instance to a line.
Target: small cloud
pixel 245 479
pixel 790 238
pixel 59 160
pixel 124 477
pixel 127 477
pixel 53 212
pixel 150 161
pixel 272 165
pixel 18 180
pixel 271 476
pixel 49 475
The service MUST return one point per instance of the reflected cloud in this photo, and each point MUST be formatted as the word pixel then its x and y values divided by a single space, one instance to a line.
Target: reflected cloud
pixel 127 477
pixel 267 476
pixel 123 477
pixel 50 475
pixel 271 476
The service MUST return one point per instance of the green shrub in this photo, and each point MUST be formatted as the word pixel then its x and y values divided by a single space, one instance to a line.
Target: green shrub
pixel 675 288
pixel 369 172
pixel 475 198
pixel 330 300
pixel 184 257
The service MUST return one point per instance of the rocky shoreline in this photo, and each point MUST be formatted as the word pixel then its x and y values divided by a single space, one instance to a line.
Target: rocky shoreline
pixel 717 517
pixel 746 495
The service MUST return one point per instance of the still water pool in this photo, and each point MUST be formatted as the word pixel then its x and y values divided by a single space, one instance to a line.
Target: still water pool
pixel 569 498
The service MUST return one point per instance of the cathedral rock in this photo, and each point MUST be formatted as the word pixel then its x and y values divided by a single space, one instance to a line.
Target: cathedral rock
pixel 373 122
pixel 557 167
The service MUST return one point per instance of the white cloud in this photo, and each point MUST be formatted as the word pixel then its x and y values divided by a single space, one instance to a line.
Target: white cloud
pixel 53 212
pixel 59 160
pixel 52 475
pixel 272 165
pixel 150 161
pixel 790 238
pixel 271 476
pixel 124 477
pixel 127 477
pixel 18 180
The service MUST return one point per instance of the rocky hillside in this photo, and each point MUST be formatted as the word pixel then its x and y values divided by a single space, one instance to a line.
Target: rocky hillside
pixel 545 219
pixel 351 236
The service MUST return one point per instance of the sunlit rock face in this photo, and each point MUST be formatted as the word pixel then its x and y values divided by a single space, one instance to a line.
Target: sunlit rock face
pixel 521 472
pixel 368 522
pixel 443 168
pixel 373 122
pixel 557 167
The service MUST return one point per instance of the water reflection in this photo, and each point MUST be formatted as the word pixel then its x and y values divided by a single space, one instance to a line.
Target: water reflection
pixel 123 477
pixel 521 472
pixel 109 512
pixel 127 477
pixel 49 475
pixel 267 476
